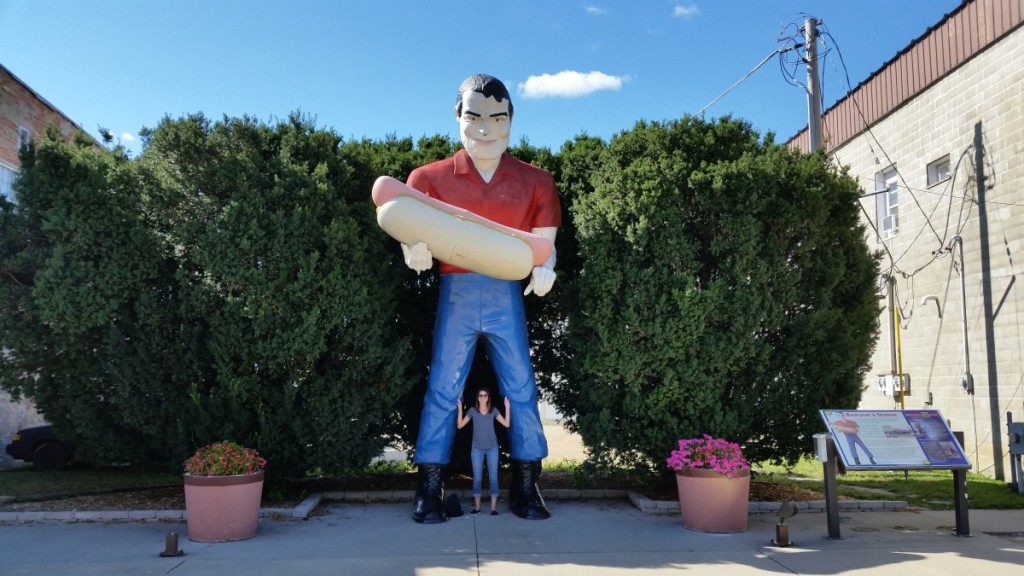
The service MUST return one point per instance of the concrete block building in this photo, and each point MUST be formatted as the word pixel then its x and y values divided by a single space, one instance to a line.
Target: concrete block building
pixel 936 140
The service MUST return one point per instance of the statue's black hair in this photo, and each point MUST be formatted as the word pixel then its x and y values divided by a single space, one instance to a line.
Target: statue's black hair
pixel 487 85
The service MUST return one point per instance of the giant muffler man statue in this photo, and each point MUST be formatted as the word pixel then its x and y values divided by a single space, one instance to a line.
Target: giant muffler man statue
pixel 486 180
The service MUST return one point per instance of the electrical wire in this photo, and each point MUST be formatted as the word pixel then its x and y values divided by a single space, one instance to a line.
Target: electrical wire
pixel 738 82
pixel 894 262
pixel 867 128
pixel 790 61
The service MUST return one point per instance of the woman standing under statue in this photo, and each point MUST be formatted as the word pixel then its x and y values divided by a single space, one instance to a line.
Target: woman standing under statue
pixel 485 445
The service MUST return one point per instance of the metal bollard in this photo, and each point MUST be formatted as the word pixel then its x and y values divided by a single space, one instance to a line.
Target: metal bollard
pixel 171 545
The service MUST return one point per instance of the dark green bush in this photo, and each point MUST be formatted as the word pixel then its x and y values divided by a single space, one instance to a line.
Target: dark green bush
pixel 725 287
pixel 230 283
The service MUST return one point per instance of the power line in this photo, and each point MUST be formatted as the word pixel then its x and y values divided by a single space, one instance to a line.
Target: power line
pixel 738 82
pixel 867 128
pixel 894 261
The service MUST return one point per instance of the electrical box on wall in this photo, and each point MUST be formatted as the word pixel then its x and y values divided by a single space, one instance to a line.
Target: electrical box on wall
pixel 967 383
pixel 894 384
pixel 1015 437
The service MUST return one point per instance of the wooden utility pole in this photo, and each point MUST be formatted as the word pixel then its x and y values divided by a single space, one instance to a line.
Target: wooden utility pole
pixel 813 86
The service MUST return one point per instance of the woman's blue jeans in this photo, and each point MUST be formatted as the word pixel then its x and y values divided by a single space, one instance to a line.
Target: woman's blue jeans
pixel 477 456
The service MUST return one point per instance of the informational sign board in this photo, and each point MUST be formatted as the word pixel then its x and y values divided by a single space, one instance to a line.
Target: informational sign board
pixel 894 439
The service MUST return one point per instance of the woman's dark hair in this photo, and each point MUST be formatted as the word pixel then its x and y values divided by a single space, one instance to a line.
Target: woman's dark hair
pixel 487 85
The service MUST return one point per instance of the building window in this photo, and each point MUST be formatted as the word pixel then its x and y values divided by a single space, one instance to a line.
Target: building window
pixel 887 201
pixel 7 176
pixel 24 137
pixel 938 170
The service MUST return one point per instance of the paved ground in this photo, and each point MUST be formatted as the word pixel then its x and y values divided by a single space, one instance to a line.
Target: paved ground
pixel 587 534
pixel 582 537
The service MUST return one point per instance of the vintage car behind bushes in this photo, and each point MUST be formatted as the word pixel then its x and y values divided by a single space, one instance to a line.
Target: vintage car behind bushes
pixel 42 447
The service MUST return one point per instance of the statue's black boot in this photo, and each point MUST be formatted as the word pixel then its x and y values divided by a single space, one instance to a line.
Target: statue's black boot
pixel 429 506
pixel 523 494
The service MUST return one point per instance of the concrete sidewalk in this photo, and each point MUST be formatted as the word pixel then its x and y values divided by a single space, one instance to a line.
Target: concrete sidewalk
pixel 609 536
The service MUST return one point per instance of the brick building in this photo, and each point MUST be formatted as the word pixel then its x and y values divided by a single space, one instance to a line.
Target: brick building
pixel 935 137
pixel 24 116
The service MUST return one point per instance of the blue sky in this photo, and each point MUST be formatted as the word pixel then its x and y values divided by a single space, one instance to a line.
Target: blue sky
pixel 380 67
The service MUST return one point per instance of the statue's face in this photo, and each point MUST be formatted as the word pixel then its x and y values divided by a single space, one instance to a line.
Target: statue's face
pixel 484 125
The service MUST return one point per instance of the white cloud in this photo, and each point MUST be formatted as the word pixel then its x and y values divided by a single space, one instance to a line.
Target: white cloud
pixel 595 10
pixel 686 11
pixel 569 84
pixel 127 137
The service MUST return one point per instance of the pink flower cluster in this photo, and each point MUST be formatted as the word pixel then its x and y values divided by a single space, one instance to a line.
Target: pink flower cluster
pixel 707 453
pixel 224 459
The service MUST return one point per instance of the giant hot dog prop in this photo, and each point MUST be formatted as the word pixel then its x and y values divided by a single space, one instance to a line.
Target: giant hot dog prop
pixel 457 236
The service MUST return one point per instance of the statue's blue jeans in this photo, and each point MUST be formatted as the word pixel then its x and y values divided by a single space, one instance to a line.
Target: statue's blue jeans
pixel 471 308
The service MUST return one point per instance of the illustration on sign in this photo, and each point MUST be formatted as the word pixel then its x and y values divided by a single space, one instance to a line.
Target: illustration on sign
pixel 886 439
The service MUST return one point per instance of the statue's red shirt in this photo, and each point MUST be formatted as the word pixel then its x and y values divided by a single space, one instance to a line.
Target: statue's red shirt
pixel 519 195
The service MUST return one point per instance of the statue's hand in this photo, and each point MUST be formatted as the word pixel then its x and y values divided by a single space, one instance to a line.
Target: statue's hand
pixel 542 278
pixel 541 281
pixel 418 257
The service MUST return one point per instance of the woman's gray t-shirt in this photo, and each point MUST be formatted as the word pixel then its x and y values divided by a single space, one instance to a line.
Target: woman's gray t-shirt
pixel 484 437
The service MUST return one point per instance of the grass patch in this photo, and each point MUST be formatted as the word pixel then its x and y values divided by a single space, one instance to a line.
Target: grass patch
pixel 28 484
pixel 805 480
pixel 919 488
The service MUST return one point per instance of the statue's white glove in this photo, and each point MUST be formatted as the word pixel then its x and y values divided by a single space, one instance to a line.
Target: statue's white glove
pixel 418 257
pixel 542 278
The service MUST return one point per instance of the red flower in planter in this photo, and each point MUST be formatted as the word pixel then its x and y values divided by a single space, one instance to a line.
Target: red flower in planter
pixel 224 458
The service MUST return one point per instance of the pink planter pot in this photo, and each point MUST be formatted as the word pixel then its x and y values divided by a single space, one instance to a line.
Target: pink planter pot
pixel 711 502
pixel 223 508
